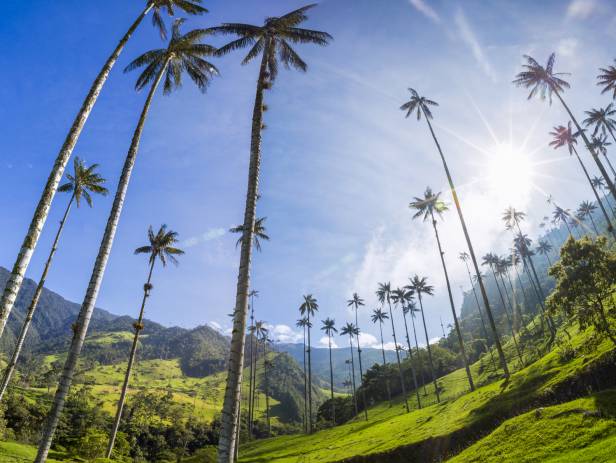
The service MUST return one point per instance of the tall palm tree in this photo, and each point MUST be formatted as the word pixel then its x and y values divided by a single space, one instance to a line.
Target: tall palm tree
pixel 271 42
pixel 303 323
pixel 404 298
pixel 544 248
pixel 420 105
pixel 378 316
pixel 329 326
pixel 586 209
pixel 309 307
pixel 350 330
pixel 607 80
pixel 356 302
pixel 184 53
pixel 420 286
pixel 426 208
pixel 162 247
pixel 383 293
pixel 464 257
pixel 562 216
pixel 602 120
pixel 259 233
pixel 600 144
pixel 83 181
pixel 544 82
pixel 41 212
pixel 564 136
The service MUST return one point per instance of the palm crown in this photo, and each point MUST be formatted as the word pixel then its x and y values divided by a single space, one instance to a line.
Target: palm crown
pixel 428 205
pixel 601 119
pixel 82 181
pixel 418 104
pixel 420 286
pixel 522 244
pixel 512 217
pixel 383 293
pixel 560 215
pixel 563 136
pixel 309 306
pixel 192 7
pixel 600 144
pixel 349 329
pixel 378 315
pixel 607 80
pixel 303 323
pixel 355 301
pixel 273 37
pixel 161 245
pixel 259 233
pixel 464 256
pixel 402 296
pixel 586 209
pixel 542 81
pixel 184 53
pixel 329 326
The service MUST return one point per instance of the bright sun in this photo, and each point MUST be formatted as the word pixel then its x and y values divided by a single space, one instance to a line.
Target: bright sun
pixel 509 173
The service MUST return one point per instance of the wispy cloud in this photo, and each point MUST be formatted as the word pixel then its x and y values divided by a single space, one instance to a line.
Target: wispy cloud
pixel 581 9
pixel 470 39
pixel 426 10
pixel 284 333
pixel 208 235
pixel 324 342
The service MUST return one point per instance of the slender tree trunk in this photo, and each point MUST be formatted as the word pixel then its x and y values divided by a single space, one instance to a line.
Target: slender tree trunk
pixel 605 153
pixel 471 250
pixel 393 331
pixel 10 369
pixel 361 370
pixel 331 378
pixel 251 371
pixel 236 357
pixel 305 388
pixel 131 360
pixel 353 375
pixel 610 227
pixel 483 322
pixel 267 408
pixel 419 363
pixel 515 341
pixel 309 380
pixel 423 318
pixel 18 271
pixel 594 225
pixel 608 179
pixel 80 328
pixel 385 363
pixel 453 308
pixel 408 343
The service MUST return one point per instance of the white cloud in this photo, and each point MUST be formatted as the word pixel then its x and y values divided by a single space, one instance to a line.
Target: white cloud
pixel 567 47
pixel 324 342
pixel 368 340
pixel 392 346
pixel 217 326
pixel 208 235
pixel 284 333
pixel 470 39
pixel 581 9
pixel 425 9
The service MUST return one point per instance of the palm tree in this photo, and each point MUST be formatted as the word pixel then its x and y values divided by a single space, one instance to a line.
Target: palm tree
pixel 544 248
pixel 161 247
pixel 562 216
pixel 563 136
pixel 329 326
pixel 599 184
pixel 404 297
pixel 586 210
pixel 271 41
pixel 420 105
pixel 420 286
pixel 426 207
pixel 304 323
pixel 259 233
pixel 41 212
pixel 607 80
pixel 464 257
pixel 543 81
pixel 309 307
pixel 602 120
pixel 83 181
pixel 600 144
pixel 356 302
pixel 184 52
pixel 379 316
pixel 383 293
pixel 350 330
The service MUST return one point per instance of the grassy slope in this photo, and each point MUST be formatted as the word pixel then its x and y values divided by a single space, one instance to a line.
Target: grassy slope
pixel 12 452
pixel 389 428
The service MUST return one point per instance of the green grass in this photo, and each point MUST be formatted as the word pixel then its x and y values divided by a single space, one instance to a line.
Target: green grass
pixel 390 428
pixel 12 452
pixel 583 430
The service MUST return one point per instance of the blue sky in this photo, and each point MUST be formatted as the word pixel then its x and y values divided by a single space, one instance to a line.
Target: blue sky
pixel 340 161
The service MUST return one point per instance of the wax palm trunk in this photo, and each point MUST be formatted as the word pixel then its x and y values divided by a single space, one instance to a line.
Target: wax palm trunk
pixel 10 369
pixel 410 351
pixel 309 380
pixel 353 375
pixel 385 363
pixel 605 153
pixel 453 308
pixel 331 378
pixel 423 380
pixel 267 408
pixel 80 328
pixel 594 190
pixel 393 331
pixel 129 367
pixel 500 293
pixel 231 402
pixel 361 370
pixel 604 173
pixel 18 271
pixel 250 383
pixel 423 318
pixel 305 387
pixel 471 250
